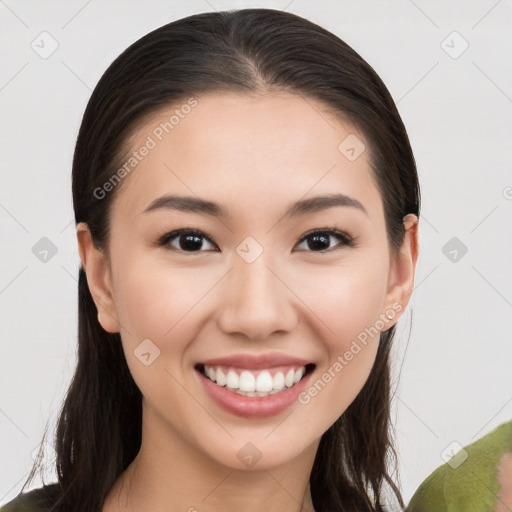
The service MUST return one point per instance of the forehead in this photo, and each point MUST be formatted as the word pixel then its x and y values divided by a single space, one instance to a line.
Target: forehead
pixel 250 151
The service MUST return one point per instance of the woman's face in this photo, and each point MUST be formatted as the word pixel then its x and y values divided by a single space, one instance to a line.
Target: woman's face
pixel 251 283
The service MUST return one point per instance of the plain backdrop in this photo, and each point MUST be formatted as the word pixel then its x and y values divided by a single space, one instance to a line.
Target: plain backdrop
pixel 448 67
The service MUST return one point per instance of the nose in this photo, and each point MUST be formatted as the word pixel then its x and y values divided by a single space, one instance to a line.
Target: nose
pixel 257 300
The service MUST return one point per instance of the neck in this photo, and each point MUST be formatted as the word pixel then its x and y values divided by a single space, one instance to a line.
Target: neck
pixel 170 474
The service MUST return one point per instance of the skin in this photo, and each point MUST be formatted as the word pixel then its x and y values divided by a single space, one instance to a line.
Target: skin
pixel 504 501
pixel 198 305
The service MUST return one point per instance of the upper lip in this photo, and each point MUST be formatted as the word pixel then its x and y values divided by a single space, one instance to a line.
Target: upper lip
pixel 256 362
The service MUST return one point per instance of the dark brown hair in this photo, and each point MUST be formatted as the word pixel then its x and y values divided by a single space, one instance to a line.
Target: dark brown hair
pixel 247 52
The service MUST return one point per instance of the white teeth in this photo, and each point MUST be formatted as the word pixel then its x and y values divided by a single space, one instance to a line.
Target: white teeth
pixel 264 382
pixel 247 381
pixel 232 380
pixel 298 375
pixel 278 381
pixel 288 380
pixel 220 377
pixel 248 384
pixel 247 393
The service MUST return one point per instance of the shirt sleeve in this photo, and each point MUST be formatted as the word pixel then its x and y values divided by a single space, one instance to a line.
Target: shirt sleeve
pixel 468 482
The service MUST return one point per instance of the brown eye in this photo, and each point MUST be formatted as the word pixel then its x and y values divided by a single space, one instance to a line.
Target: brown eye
pixel 193 240
pixel 188 240
pixel 320 239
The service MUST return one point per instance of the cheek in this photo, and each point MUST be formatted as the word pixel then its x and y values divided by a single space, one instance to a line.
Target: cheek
pixel 349 302
pixel 156 301
pixel 348 299
pixel 161 305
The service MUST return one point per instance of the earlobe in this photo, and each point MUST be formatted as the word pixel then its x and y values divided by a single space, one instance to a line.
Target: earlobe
pixel 95 264
pixel 403 268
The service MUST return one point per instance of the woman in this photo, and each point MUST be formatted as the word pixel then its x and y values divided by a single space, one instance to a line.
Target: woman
pixel 247 205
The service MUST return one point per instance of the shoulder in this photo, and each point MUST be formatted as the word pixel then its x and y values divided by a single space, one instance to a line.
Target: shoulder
pixel 472 479
pixel 36 500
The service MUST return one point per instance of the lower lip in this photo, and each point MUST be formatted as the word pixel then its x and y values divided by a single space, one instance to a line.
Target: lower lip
pixel 253 407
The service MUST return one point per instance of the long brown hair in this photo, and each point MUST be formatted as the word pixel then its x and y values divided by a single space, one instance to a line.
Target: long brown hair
pixel 245 51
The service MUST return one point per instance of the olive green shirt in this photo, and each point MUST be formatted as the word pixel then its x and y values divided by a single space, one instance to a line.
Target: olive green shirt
pixel 36 500
pixel 463 484
pixel 469 481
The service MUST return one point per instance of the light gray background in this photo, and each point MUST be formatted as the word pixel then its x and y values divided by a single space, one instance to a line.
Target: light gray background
pixel 456 379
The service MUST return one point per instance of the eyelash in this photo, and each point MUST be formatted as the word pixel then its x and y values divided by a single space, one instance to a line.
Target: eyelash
pixel 346 239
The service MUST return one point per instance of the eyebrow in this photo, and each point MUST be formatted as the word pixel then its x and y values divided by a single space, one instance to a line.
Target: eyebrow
pixel 202 206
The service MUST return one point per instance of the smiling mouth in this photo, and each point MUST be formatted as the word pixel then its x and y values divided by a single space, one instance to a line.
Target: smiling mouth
pixel 255 383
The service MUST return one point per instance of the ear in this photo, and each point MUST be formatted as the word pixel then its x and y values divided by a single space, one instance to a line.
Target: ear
pixel 402 271
pixel 97 270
